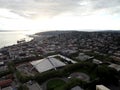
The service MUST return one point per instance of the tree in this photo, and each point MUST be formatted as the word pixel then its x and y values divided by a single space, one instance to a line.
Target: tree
pixel 107 75
pixel 11 66
pixel 23 87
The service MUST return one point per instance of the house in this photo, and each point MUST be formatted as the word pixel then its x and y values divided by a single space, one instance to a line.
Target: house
pixel 115 66
pixel 1 63
pixel 3 68
pixel 97 61
pixel 5 83
pixel 7 88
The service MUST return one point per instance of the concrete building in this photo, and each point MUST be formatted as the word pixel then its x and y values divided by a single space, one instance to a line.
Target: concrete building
pixel 77 88
pixel 50 62
pixel 47 64
pixel 7 88
pixel 101 87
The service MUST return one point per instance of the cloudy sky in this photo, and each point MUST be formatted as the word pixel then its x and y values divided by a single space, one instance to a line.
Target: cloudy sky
pixel 59 14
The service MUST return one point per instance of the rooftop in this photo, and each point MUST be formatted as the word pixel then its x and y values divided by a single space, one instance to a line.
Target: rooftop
pixel 115 66
pixel 101 87
pixel 47 64
pixel 7 88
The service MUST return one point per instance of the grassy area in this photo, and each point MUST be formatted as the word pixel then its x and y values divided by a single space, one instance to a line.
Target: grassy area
pixel 54 84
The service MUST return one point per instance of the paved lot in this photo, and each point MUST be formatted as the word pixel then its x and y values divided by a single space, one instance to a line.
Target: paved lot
pixel 81 76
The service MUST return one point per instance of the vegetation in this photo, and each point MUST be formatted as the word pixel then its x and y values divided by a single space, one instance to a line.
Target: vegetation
pixel 98 74
pixel 100 57
pixel 40 78
pixel 11 67
pixel 107 75
pixel 54 84
pixel 18 61
pixel 72 83
pixel 66 71
pixel 22 78
pixel 23 87
pixel 3 73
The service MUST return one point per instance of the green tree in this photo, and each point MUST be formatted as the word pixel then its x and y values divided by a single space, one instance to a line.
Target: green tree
pixel 23 87
pixel 11 66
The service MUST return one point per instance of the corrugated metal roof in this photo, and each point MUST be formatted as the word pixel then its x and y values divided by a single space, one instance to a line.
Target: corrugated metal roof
pixel 47 64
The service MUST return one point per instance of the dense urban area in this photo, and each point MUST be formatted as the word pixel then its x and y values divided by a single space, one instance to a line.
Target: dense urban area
pixel 62 60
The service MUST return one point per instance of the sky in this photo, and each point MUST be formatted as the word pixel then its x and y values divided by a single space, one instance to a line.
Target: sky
pixel 42 15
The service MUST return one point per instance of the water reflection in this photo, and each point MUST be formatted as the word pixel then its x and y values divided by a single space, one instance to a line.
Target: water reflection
pixel 11 37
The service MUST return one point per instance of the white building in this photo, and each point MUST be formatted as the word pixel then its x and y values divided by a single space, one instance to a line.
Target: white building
pixel 101 87
pixel 47 64
pixel 97 61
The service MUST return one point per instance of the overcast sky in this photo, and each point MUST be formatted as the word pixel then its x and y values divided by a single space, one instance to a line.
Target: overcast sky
pixel 59 14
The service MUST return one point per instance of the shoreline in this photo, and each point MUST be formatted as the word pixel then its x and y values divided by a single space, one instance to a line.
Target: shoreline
pixel 29 38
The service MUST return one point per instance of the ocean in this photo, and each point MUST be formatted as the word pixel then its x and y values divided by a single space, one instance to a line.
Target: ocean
pixel 8 38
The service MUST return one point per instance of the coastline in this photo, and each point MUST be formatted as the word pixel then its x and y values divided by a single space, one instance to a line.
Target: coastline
pixel 11 38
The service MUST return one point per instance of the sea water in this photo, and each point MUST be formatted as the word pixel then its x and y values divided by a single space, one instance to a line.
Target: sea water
pixel 8 38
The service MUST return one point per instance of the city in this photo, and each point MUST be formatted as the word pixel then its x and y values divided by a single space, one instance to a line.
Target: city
pixel 62 60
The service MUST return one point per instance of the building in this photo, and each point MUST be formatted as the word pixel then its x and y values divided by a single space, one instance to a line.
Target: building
pixel 7 88
pixel 83 57
pixel 50 62
pixel 1 63
pixel 77 88
pixel 47 64
pixel 34 86
pixel 115 66
pixel 101 87
pixel 97 61
pixel 5 83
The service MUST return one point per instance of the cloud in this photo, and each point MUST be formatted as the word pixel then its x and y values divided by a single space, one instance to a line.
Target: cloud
pixel 50 8
pixel 33 8
pixel 99 4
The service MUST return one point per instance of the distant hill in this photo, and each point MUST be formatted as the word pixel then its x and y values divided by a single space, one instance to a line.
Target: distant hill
pixel 70 31
pixel 12 30
pixel 52 32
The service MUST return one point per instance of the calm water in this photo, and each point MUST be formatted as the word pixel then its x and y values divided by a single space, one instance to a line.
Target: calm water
pixel 10 38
